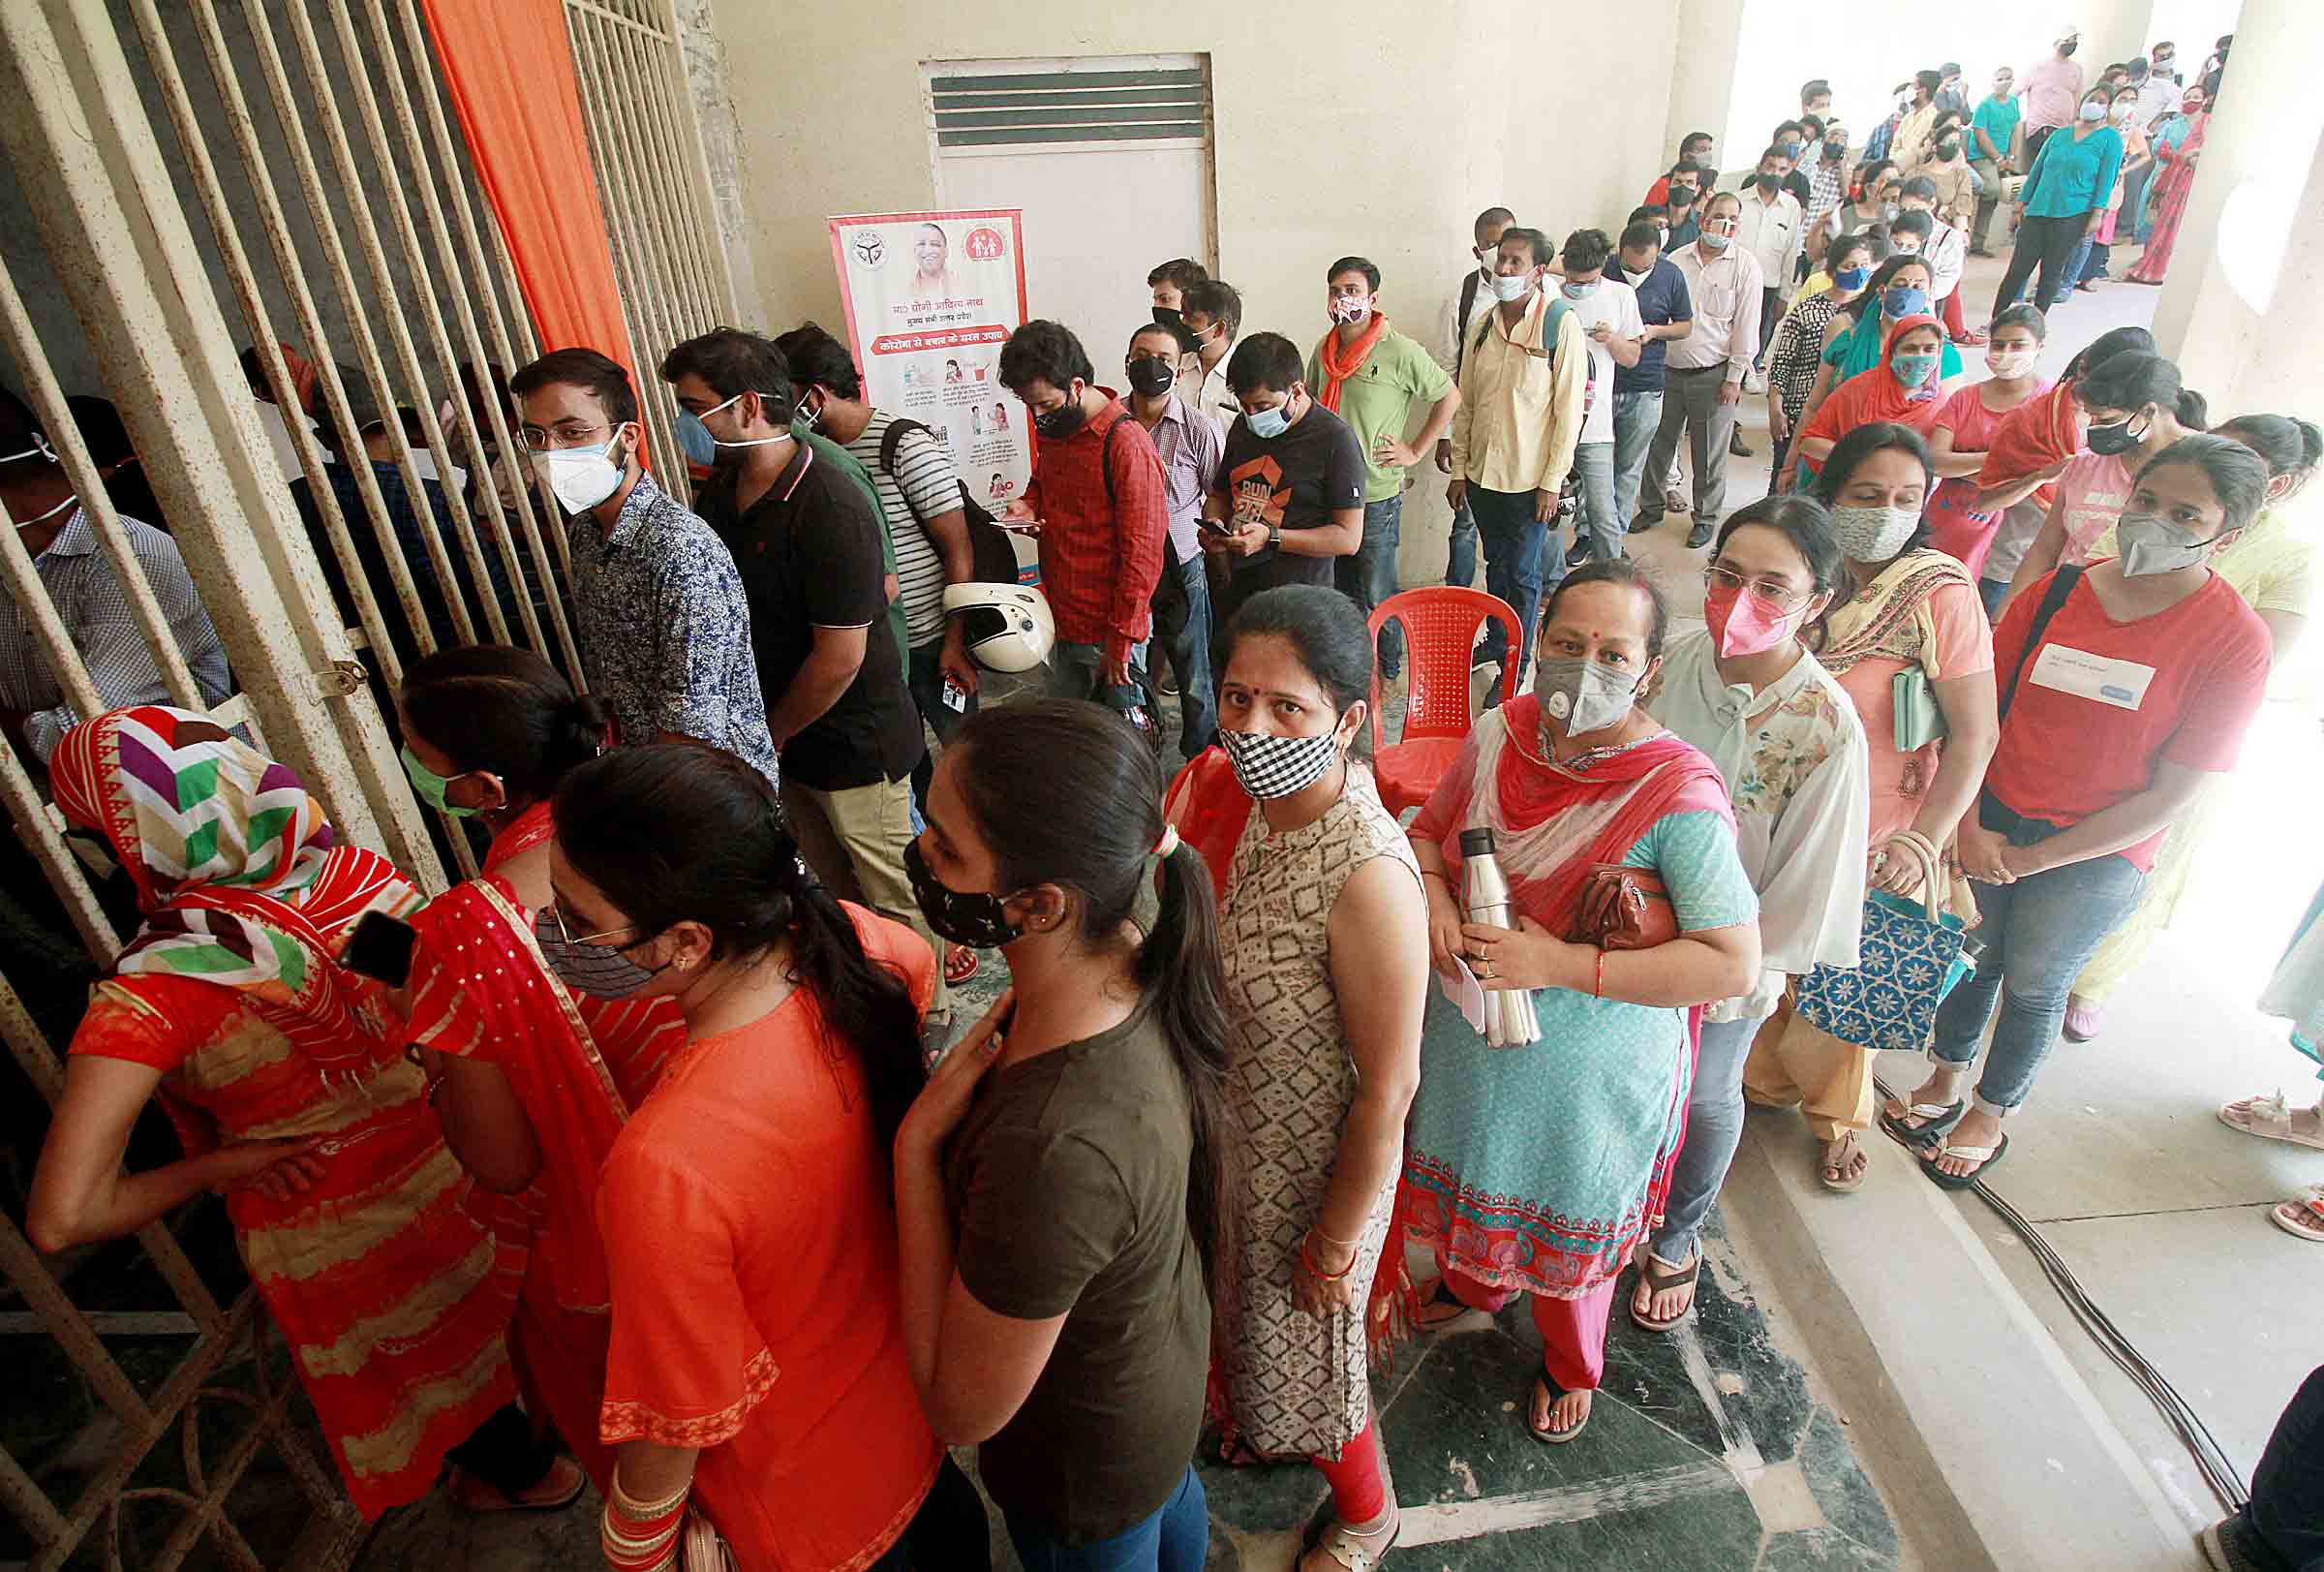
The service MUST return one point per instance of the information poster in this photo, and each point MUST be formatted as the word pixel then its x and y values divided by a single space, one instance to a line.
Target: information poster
pixel 930 297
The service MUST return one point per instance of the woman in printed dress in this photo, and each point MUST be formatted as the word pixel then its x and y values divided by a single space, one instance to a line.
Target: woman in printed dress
pixel 284 1073
pixel 1324 928
pixel 1538 1169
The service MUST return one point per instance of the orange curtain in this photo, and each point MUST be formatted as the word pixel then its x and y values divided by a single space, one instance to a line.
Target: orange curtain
pixel 510 71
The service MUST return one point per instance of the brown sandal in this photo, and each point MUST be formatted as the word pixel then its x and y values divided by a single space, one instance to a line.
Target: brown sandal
pixel 1659 1278
pixel 1826 1169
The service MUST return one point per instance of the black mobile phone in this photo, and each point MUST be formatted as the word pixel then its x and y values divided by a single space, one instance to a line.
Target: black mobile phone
pixel 380 948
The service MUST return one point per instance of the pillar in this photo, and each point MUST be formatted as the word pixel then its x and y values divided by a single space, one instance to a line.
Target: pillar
pixel 1702 78
pixel 2237 311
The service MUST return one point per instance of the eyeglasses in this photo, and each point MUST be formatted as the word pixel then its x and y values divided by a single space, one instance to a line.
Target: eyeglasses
pixel 564 433
pixel 1771 590
pixel 557 917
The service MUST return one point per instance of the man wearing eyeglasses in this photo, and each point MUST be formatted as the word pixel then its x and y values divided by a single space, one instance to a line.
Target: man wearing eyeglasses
pixel 656 601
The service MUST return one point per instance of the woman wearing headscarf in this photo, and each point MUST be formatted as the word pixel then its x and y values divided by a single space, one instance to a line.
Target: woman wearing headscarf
pixel 1902 389
pixel 1794 356
pixel 284 1073
pixel 1857 339
pixel 2178 146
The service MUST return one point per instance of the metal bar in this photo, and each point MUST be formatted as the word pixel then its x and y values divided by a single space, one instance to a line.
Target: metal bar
pixel 40 835
pixel 481 282
pixel 21 1265
pixel 57 648
pixel 644 65
pixel 30 1503
pixel 108 1324
pixel 617 18
pixel 323 104
pixel 192 141
pixel 670 113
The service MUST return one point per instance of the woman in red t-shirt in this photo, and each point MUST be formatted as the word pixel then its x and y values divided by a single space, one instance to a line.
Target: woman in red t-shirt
pixel 2126 685
pixel 1963 430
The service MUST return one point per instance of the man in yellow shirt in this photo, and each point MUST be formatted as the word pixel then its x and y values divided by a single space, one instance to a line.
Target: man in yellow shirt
pixel 1525 391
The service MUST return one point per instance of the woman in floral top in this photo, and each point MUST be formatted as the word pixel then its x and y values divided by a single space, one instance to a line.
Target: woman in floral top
pixel 1749 693
pixel 1793 359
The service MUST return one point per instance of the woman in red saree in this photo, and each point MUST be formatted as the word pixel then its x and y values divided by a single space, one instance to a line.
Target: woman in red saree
pixel 2171 191
pixel 284 1073
pixel 534 1079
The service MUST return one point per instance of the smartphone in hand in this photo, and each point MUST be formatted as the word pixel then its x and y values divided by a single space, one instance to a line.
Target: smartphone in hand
pixel 380 948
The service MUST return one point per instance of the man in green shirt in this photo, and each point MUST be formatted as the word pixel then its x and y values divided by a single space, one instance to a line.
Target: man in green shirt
pixel 1372 377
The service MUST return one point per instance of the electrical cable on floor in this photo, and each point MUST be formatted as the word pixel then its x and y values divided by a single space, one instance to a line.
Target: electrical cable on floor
pixel 2209 1458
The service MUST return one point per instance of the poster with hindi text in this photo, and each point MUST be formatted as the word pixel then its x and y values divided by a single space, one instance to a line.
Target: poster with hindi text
pixel 930 297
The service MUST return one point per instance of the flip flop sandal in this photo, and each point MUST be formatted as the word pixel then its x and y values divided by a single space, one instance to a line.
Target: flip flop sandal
pixel 1437 1297
pixel 1939 1118
pixel 1984 1157
pixel 2303 1215
pixel 2268 1117
pixel 1551 1437
pixel 1825 1170
pixel 1350 1550
pixel 1659 1278
pixel 472 1494
pixel 960 964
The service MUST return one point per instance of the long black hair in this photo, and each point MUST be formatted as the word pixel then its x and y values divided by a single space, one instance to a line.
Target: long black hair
pixel 1897 262
pixel 675 832
pixel 1807 524
pixel 1063 792
pixel 1325 629
pixel 2238 474
pixel 2133 381
pixel 2290 445
pixel 505 711
pixel 2105 347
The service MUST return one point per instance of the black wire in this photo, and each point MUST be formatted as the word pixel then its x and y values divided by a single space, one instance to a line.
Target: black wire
pixel 2209 1458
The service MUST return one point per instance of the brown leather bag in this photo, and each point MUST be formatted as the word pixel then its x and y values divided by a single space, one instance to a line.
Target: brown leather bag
pixel 1624 908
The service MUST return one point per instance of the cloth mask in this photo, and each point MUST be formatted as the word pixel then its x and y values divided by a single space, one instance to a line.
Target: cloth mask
pixel 1270 422
pixel 1149 376
pixel 2009 363
pixel 1175 319
pixel 1061 422
pixel 1511 287
pixel 2110 439
pixel 602 970
pixel 28 523
pixel 1349 308
pixel 1901 300
pixel 429 785
pixel 1852 278
pixel 1272 767
pixel 579 477
pixel 1768 182
pixel 1912 370
pixel 1583 694
pixel 964 917
pixel 2156 545
pixel 1743 624
pixel 1874 534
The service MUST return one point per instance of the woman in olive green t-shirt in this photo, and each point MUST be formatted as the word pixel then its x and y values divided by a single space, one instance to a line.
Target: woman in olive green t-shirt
pixel 1061 1196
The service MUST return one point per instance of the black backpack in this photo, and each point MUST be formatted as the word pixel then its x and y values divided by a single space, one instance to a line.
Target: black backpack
pixel 995 557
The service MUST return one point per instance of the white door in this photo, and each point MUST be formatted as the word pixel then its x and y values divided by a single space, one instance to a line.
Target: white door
pixel 1066 141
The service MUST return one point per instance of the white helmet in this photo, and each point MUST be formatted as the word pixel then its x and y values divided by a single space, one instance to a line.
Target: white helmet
pixel 1006 626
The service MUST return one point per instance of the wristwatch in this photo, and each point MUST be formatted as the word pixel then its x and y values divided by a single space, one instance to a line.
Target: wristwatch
pixel 1274 536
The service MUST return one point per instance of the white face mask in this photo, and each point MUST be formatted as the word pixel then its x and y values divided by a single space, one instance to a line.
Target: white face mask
pixel 1874 534
pixel 1509 287
pixel 2009 363
pixel 580 477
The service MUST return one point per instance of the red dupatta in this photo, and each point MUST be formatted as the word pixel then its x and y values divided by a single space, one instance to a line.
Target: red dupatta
pixel 2039 434
pixel 1875 394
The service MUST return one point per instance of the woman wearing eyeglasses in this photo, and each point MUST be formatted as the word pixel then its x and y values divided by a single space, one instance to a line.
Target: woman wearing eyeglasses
pixel 1907 611
pixel 1747 690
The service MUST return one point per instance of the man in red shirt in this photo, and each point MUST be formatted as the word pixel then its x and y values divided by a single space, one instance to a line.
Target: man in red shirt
pixel 1098 501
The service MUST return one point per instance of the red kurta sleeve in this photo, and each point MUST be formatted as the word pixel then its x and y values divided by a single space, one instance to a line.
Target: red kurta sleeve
pixel 1141 521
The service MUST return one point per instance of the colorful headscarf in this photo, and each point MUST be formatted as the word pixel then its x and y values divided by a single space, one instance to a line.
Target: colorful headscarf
pixel 235 867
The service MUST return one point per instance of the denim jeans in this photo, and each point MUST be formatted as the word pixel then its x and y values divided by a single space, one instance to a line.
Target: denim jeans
pixel 1369 576
pixel 2038 933
pixel 1714 1125
pixel 1177 1538
pixel 1460 556
pixel 1636 417
pixel 927 682
pixel 1073 668
pixel 1186 641
pixel 2283 1525
pixel 1512 538
pixel 1600 521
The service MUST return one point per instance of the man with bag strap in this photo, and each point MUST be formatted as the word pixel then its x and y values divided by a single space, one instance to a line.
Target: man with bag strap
pixel 1460 308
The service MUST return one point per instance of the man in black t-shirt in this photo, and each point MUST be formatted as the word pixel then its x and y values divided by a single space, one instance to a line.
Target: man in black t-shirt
pixel 808 545
pixel 1289 496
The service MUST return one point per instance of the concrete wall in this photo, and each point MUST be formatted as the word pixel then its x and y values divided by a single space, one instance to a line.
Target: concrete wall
pixel 1370 127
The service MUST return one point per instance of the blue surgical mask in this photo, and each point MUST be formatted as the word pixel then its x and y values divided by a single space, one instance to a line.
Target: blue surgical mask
pixel 1901 300
pixel 1852 278
pixel 1580 292
pixel 1270 422
pixel 695 441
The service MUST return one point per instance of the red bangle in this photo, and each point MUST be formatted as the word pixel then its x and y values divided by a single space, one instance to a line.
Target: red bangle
pixel 1597 988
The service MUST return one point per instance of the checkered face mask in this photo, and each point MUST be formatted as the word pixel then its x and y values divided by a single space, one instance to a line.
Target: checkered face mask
pixel 1272 767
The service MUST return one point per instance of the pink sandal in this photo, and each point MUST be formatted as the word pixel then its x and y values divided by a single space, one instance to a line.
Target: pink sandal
pixel 2302 1214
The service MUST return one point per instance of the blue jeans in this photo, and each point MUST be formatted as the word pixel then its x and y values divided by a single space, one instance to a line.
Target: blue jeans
pixel 1513 569
pixel 1174 1539
pixel 1184 635
pixel 1714 1126
pixel 2283 1525
pixel 1636 417
pixel 1600 521
pixel 1369 576
pixel 1460 557
pixel 2038 933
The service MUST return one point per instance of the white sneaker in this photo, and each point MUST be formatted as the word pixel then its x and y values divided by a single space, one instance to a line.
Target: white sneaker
pixel 1754 382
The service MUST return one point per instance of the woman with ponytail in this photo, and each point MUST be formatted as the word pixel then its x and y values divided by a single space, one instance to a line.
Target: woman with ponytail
pixel 1326 940
pixel 1066 1194
pixel 755 1384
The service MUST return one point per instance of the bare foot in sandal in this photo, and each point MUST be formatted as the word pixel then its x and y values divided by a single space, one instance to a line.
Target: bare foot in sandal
pixel 1558 1419
pixel 1931 1103
pixel 1845 1162
pixel 1664 1293
pixel 1977 1131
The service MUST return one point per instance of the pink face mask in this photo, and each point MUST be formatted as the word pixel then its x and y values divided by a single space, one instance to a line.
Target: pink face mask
pixel 1744 624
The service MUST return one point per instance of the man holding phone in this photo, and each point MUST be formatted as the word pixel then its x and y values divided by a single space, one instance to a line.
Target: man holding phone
pixel 1289 497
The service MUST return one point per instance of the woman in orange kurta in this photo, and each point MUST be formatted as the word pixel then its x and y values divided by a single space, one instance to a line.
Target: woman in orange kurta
pixel 284 1075
pixel 535 1078
pixel 757 1372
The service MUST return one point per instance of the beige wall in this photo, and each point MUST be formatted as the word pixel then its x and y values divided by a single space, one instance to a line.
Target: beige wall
pixel 1372 128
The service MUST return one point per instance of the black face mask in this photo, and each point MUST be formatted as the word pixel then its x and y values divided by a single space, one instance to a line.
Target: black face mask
pixel 1061 422
pixel 1769 182
pixel 1835 148
pixel 976 919
pixel 1175 319
pixel 1151 376
pixel 2067 50
pixel 2117 438
pixel 1947 148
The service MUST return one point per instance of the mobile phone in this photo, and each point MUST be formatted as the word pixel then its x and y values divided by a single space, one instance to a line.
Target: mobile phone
pixel 380 948
pixel 956 697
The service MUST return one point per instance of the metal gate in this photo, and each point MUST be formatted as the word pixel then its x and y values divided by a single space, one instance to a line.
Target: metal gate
pixel 203 174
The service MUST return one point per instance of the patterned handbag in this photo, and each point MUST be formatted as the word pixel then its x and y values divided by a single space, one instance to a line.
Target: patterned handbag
pixel 1910 958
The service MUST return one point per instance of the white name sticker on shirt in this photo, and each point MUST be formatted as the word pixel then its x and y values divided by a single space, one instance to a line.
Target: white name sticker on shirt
pixel 2069 671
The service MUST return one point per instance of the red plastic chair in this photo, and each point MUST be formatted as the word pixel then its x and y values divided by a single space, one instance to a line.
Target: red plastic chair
pixel 1440 640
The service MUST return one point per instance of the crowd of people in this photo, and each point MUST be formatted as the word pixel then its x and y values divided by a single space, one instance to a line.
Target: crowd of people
pixel 650 1159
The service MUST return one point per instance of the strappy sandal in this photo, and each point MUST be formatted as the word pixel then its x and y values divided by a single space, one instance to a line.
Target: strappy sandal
pixel 2268 1117
pixel 1938 1119
pixel 1984 1157
pixel 1338 1545
pixel 1834 1175
pixel 1659 1278
pixel 1449 1311
pixel 2302 1214
pixel 1553 1438
pixel 960 964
